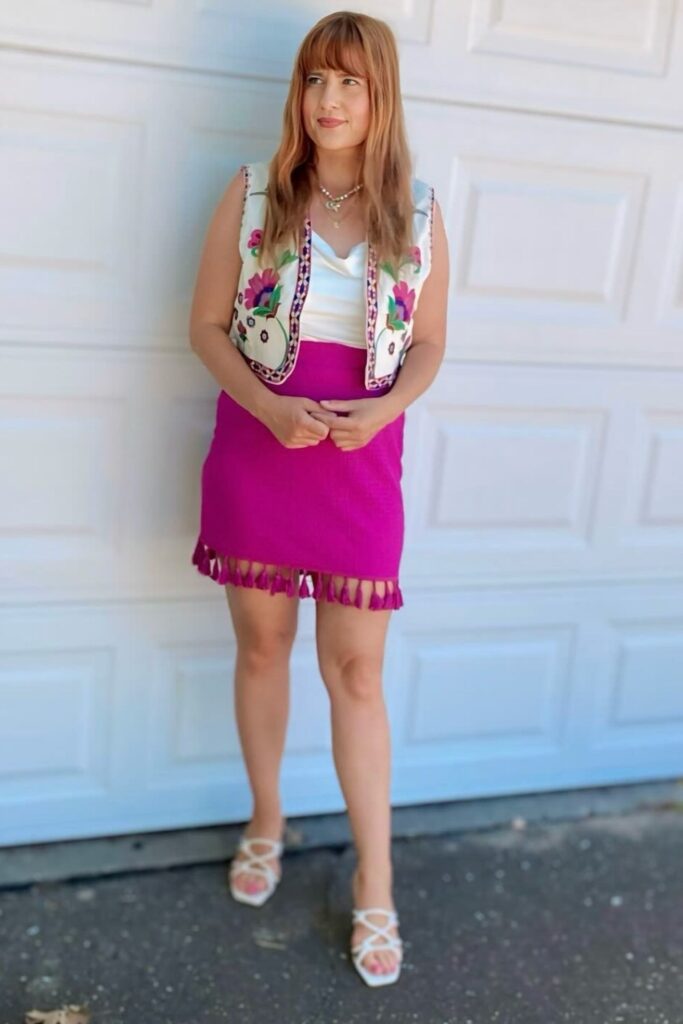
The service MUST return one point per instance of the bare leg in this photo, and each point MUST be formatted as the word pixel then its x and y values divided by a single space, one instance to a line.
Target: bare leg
pixel 265 628
pixel 351 645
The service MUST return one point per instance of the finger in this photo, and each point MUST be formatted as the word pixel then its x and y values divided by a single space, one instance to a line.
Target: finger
pixel 324 417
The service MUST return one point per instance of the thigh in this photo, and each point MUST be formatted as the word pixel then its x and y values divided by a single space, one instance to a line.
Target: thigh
pixel 350 639
pixel 262 619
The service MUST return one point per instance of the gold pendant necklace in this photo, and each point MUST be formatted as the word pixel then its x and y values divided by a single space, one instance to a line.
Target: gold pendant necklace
pixel 334 202
pixel 337 221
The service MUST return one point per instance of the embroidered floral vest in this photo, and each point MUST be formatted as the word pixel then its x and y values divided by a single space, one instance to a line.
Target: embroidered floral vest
pixel 267 311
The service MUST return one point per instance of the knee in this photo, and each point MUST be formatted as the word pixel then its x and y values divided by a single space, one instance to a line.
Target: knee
pixel 259 647
pixel 358 677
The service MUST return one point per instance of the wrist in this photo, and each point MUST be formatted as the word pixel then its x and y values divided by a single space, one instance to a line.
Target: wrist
pixel 263 405
pixel 393 406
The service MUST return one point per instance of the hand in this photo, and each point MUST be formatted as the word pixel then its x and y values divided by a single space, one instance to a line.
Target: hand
pixel 293 421
pixel 354 422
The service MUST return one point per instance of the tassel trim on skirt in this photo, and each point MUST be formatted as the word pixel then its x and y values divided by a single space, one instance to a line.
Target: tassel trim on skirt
pixel 218 568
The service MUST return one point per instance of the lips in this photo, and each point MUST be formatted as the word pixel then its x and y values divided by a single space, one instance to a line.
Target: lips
pixel 329 122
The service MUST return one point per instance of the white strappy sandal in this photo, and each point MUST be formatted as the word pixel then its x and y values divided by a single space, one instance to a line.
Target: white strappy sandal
pixel 368 945
pixel 255 864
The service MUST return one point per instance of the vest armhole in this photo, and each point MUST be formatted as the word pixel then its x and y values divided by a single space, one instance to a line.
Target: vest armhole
pixel 246 181
pixel 431 223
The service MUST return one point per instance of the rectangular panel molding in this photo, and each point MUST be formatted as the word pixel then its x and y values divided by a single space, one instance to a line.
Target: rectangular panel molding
pixel 628 37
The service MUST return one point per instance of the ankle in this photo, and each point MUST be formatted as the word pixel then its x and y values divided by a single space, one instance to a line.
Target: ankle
pixel 376 875
pixel 266 823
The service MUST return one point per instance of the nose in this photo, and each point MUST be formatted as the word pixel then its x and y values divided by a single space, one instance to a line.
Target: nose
pixel 329 103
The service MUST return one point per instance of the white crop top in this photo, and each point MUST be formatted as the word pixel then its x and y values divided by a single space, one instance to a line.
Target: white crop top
pixel 334 308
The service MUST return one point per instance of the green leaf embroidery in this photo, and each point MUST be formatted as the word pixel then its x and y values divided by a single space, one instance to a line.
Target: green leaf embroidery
pixel 287 257
pixel 393 322
pixel 388 268
pixel 272 303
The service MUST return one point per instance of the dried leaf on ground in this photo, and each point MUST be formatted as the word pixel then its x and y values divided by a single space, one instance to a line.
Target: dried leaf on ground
pixel 70 1014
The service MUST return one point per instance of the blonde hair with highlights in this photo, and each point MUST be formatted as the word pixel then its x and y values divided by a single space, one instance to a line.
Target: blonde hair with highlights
pixel 361 45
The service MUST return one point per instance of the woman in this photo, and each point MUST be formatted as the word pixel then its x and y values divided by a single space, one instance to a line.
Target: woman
pixel 312 266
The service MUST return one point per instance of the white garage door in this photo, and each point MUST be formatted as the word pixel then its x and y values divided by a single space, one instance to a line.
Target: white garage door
pixel 541 644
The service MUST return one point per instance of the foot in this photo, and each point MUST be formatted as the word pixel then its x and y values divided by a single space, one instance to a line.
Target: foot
pixel 375 893
pixel 252 882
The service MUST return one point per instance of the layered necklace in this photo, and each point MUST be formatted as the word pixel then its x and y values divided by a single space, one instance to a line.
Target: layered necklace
pixel 334 202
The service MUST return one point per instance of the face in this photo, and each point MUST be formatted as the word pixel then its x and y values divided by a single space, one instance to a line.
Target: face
pixel 342 97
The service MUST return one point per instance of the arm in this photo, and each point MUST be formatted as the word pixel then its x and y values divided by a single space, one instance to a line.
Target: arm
pixel 213 303
pixel 425 353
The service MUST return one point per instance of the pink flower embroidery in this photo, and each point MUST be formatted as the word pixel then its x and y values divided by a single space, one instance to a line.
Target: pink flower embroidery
pixel 415 256
pixel 255 239
pixel 263 293
pixel 401 305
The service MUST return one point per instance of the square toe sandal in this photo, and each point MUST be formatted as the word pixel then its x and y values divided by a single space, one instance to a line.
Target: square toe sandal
pixel 369 945
pixel 254 864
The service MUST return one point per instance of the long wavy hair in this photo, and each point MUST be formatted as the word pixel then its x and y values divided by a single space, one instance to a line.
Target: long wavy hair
pixel 356 44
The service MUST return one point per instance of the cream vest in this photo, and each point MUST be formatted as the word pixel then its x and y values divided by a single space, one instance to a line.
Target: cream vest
pixel 267 311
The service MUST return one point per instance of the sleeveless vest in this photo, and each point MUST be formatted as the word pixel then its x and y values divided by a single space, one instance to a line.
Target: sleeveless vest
pixel 268 304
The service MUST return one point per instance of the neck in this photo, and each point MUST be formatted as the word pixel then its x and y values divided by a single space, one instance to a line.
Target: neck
pixel 338 171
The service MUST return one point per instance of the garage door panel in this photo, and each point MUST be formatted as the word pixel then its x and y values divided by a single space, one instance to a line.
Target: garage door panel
pixel 519 472
pixel 523 53
pixel 634 39
pixel 101 457
pixel 489 690
pixel 543 561
pixel 105 181
pixel 566 237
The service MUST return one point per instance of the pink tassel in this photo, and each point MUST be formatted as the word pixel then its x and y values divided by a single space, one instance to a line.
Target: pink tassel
pixel 374 597
pixel 303 586
pixel 218 568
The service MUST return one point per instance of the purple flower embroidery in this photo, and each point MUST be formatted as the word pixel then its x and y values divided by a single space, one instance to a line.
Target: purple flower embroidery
pixel 401 305
pixel 263 293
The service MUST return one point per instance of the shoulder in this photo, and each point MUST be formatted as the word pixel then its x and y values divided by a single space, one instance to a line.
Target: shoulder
pixel 255 175
pixel 423 192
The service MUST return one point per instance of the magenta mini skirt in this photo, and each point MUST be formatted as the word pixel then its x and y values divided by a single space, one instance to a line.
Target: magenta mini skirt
pixel 293 514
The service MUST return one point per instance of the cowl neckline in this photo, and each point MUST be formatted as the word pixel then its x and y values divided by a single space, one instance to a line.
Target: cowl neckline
pixel 328 248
